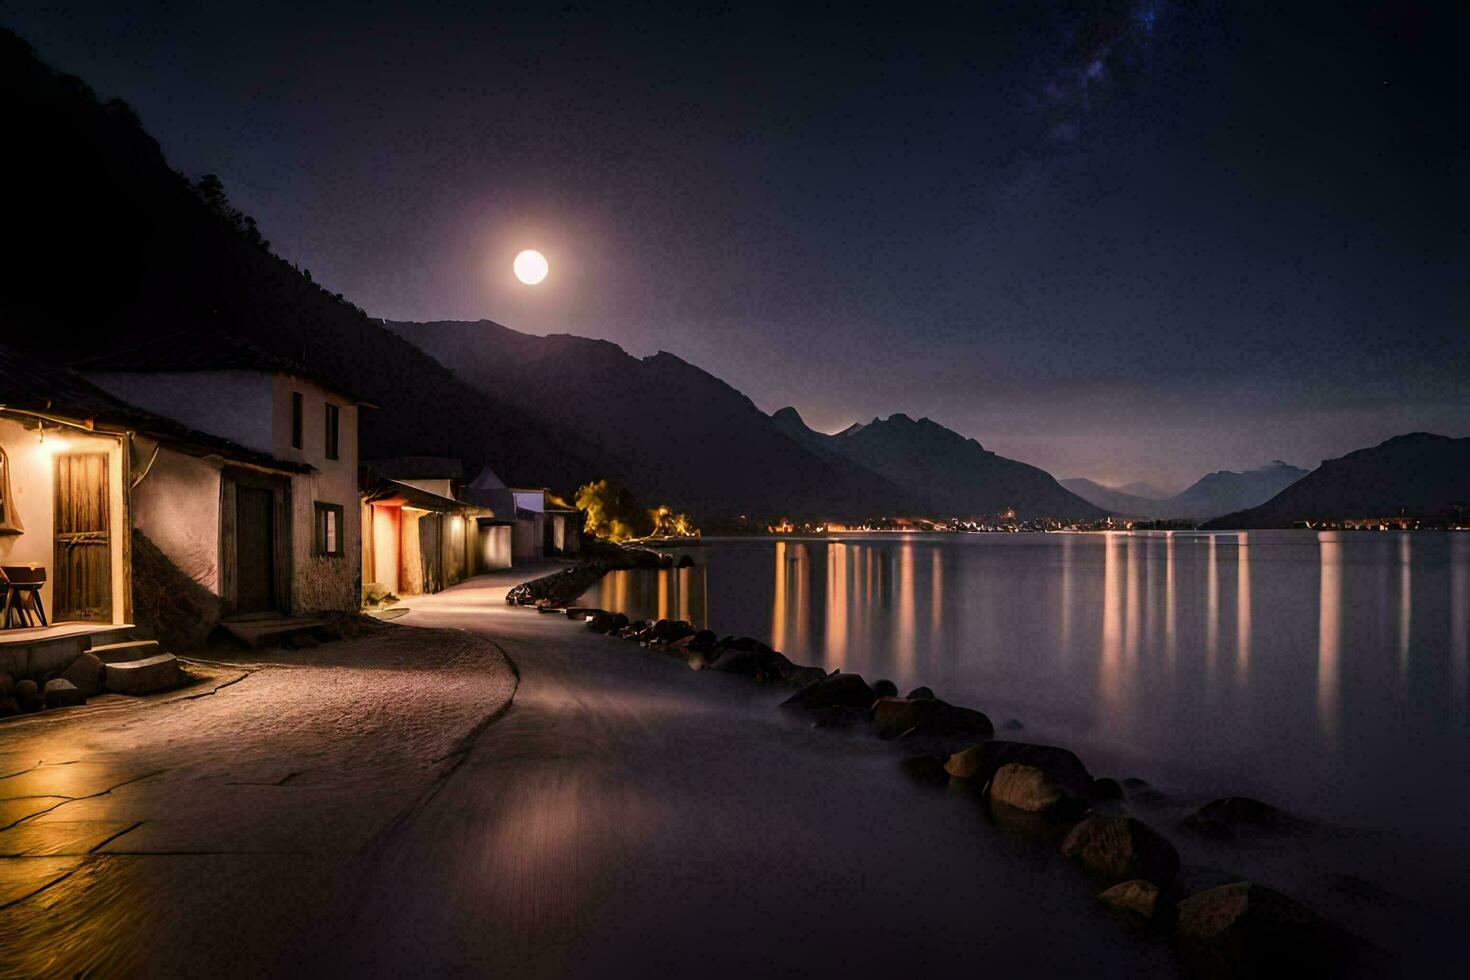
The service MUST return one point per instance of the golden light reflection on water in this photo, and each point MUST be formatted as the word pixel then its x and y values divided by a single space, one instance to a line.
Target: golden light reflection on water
pixel 671 593
pixel 1171 614
pixel 906 619
pixel 1110 680
pixel 1212 610
pixel 1329 633
pixel 838 555
pixel 1242 607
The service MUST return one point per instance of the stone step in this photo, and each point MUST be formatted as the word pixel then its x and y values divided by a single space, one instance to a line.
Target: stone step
pixel 114 653
pixel 144 676
pixel 108 635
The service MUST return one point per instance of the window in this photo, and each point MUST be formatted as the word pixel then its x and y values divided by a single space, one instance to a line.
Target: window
pixel 333 414
pixel 9 520
pixel 298 409
pixel 328 530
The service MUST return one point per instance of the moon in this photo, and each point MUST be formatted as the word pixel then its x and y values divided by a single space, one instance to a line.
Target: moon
pixel 531 267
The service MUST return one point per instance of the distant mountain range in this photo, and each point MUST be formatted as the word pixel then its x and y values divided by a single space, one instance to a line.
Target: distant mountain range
pixel 1416 475
pixel 951 475
pixel 1222 492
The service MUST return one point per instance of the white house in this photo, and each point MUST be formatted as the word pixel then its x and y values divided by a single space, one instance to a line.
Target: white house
pixel 276 533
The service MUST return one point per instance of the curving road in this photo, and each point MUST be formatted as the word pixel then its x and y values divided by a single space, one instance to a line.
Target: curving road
pixel 351 810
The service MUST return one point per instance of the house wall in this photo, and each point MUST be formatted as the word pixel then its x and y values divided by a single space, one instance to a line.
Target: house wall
pixel 527 538
pixel 443 488
pixel 233 404
pixel 530 499
pixel 495 547
pixel 33 485
pixel 320 583
pixel 411 557
pixel 386 550
pixel 177 505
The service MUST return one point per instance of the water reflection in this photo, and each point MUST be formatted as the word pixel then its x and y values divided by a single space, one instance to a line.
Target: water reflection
pixel 1329 632
pixel 1242 607
pixel 668 593
pixel 1460 611
pixel 1212 611
pixel 1406 613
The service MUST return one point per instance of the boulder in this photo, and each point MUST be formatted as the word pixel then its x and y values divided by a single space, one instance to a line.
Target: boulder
pixel 1118 848
pixel 893 717
pixel 27 695
pixel 144 676
pixel 1014 725
pixel 802 676
pixel 1105 788
pixel 920 692
pixel 705 638
pixel 885 688
pixel 1231 815
pixel 979 763
pixel 86 673
pixel 620 621
pixel 1025 788
pixel 1136 896
pixel 7 686
pixel 599 621
pixel 834 691
pixel 62 693
pixel 749 662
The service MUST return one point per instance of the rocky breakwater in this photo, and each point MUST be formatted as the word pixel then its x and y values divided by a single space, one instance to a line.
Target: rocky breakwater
pixel 562 588
pixel 1046 794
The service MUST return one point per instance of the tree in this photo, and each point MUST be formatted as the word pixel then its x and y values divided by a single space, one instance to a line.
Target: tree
pixel 666 523
pixel 612 511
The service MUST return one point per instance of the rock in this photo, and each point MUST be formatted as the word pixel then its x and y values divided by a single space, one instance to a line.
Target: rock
pixel 979 763
pixel 893 717
pixel 144 676
pixel 600 621
pixel 834 691
pixel 1117 848
pixel 1105 788
pixel 620 621
pixel 580 612
pixel 1231 815
pixel 885 688
pixel 749 662
pixel 86 674
pixel 1025 788
pixel 1133 784
pixel 669 630
pixel 705 638
pixel 920 692
pixel 801 676
pixel 61 693
pixel 1013 725
pixel 7 686
pixel 1137 896
pixel 27 695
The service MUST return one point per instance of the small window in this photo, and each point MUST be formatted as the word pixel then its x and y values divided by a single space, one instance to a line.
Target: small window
pixel 333 417
pixel 328 530
pixel 298 411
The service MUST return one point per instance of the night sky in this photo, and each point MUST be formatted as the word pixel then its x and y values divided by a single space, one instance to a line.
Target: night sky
pixel 1127 241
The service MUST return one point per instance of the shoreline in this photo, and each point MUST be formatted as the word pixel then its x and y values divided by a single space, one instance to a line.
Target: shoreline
pixel 1041 793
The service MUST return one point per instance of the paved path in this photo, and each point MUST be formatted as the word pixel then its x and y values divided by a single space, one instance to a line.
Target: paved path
pixel 625 816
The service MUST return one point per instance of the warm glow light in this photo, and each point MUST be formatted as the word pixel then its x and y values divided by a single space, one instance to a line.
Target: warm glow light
pixel 531 267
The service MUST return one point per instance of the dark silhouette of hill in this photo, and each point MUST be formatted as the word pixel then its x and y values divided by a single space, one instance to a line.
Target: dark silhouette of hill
pixel 678 433
pixel 1141 489
pixel 1217 493
pixel 1416 475
pixel 109 248
pixel 1115 502
pixel 952 475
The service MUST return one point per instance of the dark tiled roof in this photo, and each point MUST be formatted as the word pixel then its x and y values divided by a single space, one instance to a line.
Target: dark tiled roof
pixel 204 349
pixel 32 384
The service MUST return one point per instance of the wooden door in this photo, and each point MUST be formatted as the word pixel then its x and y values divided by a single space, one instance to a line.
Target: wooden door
pixel 431 546
pixel 82 589
pixel 255 574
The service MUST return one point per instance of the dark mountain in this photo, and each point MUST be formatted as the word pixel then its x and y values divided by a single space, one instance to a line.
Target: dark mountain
pixel 1217 493
pixel 1140 489
pixel 1416 475
pixel 1224 492
pixel 107 248
pixel 954 476
pixel 1113 501
pixel 673 432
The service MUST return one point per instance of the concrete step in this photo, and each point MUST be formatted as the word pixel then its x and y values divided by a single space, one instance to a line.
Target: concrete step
pixel 113 653
pixel 144 676
pixel 109 635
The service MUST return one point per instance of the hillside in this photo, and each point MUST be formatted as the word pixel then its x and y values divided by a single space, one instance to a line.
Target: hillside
pixel 108 247
pixel 674 431
pixel 954 476
pixel 1117 502
pixel 1217 493
pixel 1416 475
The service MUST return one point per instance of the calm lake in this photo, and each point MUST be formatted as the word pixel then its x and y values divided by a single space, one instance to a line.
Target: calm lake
pixel 1325 672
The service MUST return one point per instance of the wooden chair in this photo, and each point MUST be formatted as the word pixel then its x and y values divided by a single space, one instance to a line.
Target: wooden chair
pixel 22 588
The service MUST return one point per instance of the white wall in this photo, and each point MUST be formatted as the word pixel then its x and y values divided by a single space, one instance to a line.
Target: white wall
pixel 177 507
pixel 530 500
